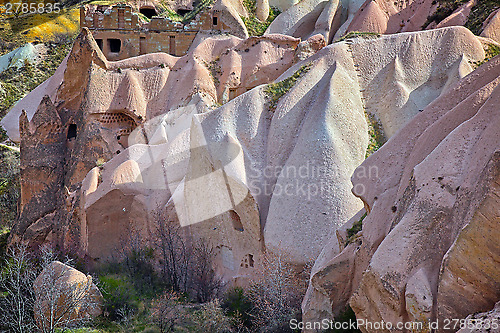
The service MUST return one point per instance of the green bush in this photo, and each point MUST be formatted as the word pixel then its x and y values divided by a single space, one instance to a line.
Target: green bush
pixel 119 293
pixel 238 304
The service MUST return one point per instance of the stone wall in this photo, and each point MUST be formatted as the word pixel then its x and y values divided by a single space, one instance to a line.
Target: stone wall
pixel 121 34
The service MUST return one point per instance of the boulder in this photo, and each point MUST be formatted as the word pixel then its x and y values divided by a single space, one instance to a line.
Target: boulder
pixel 65 297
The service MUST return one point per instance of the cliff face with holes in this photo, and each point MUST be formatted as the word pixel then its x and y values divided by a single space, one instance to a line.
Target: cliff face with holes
pixel 266 171
pixel 84 115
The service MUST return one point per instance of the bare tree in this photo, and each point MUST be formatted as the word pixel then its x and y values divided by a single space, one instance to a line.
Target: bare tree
pixel 186 267
pixel 175 255
pixel 166 311
pixel 206 283
pixel 16 282
pixel 276 295
pixel 61 303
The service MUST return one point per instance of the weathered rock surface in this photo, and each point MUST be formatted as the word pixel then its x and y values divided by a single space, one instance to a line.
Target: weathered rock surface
pixel 333 19
pixel 66 132
pixel 65 296
pixel 491 27
pixel 268 170
pixel 481 322
pixel 436 182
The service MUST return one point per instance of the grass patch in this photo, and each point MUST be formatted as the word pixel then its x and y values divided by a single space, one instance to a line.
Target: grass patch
pixel 16 83
pixel 358 34
pixel 445 9
pixel 352 232
pixel 254 26
pixel 9 185
pixel 375 134
pixel 165 11
pixel 491 52
pixel 274 91
pixel 479 13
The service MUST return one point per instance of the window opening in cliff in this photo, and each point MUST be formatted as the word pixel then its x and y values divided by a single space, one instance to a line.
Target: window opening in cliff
pixel 99 42
pixel 172 45
pixel 149 12
pixel 235 219
pixel 183 12
pixel 142 45
pixel 214 20
pixel 250 260
pixel 72 131
pixel 115 45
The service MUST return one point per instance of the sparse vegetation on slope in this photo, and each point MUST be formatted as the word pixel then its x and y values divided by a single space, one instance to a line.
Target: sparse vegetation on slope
pixel 491 52
pixel 275 91
pixel 165 11
pixel 479 13
pixel 9 185
pixel 16 83
pixel 375 134
pixel 352 233
pixel 358 34
pixel 445 9
pixel 254 26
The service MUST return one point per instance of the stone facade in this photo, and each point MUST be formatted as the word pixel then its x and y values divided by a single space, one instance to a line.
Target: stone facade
pixel 121 33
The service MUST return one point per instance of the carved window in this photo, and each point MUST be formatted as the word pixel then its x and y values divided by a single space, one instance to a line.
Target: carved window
pixel 149 12
pixel 115 45
pixel 72 131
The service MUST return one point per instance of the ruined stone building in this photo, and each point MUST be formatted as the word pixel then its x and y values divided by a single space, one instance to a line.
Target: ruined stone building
pixel 122 33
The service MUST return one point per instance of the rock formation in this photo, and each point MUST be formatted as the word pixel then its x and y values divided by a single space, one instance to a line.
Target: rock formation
pixel 333 19
pixel 426 250
pixel 259 144
pixel 250 175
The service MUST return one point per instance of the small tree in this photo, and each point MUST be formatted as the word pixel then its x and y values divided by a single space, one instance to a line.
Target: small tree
pixel 186 267
pixel 16 283
pixel 212 319
pixel 165 312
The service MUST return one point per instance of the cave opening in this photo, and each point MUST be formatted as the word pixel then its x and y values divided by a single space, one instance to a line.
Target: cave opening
pixel 149 12
pixel 72 131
